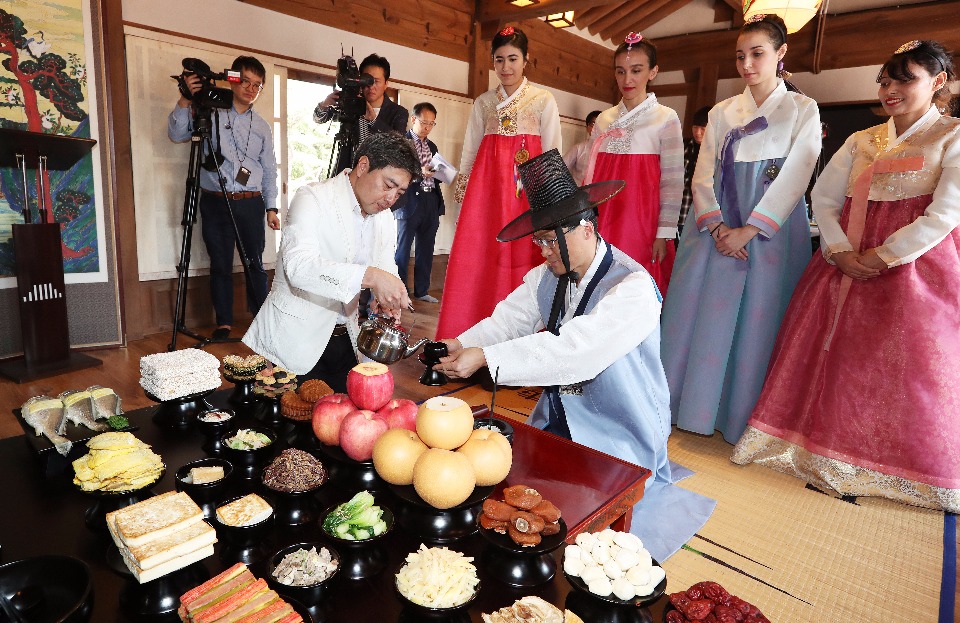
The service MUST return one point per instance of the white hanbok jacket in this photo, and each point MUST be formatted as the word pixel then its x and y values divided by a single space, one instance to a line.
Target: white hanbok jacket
pixel 316 281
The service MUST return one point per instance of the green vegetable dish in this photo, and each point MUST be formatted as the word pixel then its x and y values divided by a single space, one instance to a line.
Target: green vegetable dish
pixel 246 439
pixel 356 520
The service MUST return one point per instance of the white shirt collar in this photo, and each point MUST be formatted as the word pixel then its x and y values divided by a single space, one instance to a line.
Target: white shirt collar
pixel 354 202
pixel 894 140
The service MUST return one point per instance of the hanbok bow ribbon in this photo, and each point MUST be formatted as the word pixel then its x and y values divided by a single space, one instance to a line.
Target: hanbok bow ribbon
pixel 595 151
pixel 727 166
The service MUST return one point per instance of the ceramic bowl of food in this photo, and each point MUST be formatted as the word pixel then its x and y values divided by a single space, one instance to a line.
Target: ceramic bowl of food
pixel 248 447
pixel 307 573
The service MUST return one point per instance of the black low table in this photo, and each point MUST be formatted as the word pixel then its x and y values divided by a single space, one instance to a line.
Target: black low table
pixel 45 515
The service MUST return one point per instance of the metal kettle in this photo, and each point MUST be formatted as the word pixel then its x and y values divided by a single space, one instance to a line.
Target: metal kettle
pixel 382 339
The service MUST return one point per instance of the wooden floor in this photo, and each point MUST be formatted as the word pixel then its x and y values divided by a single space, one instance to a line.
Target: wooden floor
pixel 121 366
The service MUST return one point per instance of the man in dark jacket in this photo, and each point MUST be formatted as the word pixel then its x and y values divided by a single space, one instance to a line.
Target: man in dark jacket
pixel 418 218
pixel 382 115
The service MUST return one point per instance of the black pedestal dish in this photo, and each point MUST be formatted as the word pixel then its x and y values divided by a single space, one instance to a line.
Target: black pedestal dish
pixel 242 543
pixel 364 558
pixel 157 599
pixel 348 474
pixel 432 352
pixel 206 494
pixel 436 525
pixel 180 413
pixel 520 566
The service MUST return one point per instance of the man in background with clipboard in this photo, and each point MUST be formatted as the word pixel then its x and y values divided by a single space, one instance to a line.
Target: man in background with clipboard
pixel 418 218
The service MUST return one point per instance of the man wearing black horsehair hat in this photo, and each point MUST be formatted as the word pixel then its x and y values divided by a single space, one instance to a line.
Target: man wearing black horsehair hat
pixel 599 359
pixel 585 325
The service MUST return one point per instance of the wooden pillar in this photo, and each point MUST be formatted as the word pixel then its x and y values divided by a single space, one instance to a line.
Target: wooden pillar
pixel 705 93
pixel 479 81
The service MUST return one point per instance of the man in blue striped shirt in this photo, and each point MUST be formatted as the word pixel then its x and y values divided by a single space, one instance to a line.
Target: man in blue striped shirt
pixel 244 145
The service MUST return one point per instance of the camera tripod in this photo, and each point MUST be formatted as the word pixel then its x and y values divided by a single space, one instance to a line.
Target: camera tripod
pixel 191 205
pixel 344 144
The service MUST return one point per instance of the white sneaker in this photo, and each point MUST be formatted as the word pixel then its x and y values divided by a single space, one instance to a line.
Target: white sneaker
pixel 427 299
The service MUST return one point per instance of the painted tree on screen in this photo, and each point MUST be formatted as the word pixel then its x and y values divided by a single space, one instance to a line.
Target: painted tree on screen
pixel 38 72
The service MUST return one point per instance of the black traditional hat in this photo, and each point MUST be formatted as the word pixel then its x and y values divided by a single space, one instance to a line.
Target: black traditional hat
pixel 553 196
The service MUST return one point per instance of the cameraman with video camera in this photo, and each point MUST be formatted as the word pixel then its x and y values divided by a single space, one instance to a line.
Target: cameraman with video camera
pixel 381 113
pixel 246 160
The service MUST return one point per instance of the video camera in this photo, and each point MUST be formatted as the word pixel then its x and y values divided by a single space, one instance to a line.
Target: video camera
pixel 350 107
pixel 209 95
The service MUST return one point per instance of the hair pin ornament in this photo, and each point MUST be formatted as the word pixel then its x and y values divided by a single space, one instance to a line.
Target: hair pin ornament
pixel 632 39
pixel 507 31
pixel 909 46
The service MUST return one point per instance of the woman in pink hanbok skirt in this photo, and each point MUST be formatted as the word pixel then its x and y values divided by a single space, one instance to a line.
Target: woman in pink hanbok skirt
pixel 863 392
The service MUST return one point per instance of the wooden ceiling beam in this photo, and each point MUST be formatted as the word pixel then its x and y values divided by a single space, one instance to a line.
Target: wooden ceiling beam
pixel 584 19
pixel 615 16
pixel 661 13
pixel 489 10
pixel 621 27
pixel 849 39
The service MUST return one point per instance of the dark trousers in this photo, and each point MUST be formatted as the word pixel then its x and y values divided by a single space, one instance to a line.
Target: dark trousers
pixel 420 226
pixel 220 239
pixel 334 364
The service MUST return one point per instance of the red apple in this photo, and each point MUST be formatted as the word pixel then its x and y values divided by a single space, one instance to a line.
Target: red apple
pixel 359 431
pixel 400 413
pixel 370 385
pixel 328 415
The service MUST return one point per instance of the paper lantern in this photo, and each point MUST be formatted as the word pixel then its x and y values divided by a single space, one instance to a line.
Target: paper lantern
pixel 795 13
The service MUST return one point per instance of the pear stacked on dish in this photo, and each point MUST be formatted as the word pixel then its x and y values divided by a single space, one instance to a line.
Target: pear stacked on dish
pixel 160 535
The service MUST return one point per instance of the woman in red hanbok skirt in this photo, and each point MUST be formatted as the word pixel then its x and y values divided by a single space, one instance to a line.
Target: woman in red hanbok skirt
pixel 640 141
pixel 508 126
pixel 863 390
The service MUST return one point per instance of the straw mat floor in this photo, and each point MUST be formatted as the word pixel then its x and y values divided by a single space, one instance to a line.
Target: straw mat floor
pixel 798 554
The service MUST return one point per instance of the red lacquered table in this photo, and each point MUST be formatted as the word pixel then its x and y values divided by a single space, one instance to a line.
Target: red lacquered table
pixel 593 490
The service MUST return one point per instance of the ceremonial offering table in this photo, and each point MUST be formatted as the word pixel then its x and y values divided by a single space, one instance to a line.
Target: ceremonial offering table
pixel 44 514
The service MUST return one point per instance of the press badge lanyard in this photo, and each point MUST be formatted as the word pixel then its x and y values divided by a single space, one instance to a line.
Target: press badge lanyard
pixel 243 174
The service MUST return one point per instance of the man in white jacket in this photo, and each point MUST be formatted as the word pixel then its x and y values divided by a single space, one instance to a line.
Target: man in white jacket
pixel 339 238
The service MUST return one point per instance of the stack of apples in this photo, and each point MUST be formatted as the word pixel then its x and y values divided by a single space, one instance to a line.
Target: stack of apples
pixel 355 420
pixel 444 458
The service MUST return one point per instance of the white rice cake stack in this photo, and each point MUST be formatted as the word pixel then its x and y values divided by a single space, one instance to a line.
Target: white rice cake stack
pixel 161 534
pixel 180 373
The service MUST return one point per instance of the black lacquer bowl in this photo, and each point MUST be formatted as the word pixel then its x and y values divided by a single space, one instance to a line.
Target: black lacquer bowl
pixel 294 508
pixel 242 543
pixel 206 494
pixel 515 565
pixel 247 461
pixel 436 525
pixel 349 474
pixel 501 426
pixel 580 586
pixel 213 430
pixel 309 595
pixel 365 558
pixel 47 589
pixel 413 611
